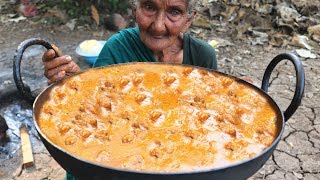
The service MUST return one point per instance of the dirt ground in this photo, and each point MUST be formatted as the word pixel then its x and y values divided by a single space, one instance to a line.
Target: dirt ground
pixel 298 153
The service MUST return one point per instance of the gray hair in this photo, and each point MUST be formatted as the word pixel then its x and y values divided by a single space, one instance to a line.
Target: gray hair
pixel 192 5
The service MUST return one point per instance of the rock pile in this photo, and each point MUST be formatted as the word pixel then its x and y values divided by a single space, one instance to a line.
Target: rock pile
pixel 273 22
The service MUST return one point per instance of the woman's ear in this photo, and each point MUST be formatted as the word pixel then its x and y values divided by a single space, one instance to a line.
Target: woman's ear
pixel 189 21
pixel 193 14
pixel 134 9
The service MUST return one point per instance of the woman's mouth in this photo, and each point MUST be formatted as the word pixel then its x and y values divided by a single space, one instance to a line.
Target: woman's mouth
pixel 158 36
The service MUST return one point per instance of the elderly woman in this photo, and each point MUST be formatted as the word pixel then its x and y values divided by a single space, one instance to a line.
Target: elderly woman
pixel 159 37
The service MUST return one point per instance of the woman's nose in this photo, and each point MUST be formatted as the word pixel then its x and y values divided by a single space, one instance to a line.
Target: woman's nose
pixel 159 26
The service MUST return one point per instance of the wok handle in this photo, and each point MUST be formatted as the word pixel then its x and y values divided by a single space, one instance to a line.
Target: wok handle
pixel 25 90
pixel 300 81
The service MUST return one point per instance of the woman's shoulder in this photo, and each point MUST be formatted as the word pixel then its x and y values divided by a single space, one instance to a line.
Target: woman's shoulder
pixel 198 44
pixel 198 52
pixel 126 34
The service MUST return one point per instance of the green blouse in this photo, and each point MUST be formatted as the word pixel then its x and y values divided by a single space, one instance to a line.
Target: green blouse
pixel 126 46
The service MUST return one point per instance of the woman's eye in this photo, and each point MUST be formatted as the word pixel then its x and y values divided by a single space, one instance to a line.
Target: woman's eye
pixel 149 7
pixel 174 13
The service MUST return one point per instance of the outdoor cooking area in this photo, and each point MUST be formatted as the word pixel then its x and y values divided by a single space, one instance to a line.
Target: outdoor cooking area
pixel 280 57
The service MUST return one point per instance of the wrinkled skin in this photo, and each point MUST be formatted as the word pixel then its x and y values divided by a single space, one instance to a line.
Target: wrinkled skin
pixel 55 69
pixel 161 24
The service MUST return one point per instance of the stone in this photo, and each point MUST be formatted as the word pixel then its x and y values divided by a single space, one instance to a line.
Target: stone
pixel 298 175
pixel 71 24
pixel 314 30
pixel 310 163
pixel 42 159
pixel 300 122
pixel 284 146
pixel 309 176
pixel 268 168
pixel 115 22
pixel 286 162
pixel 3 128
pixel 300 143
pixel 315 138
pixel 286 13
pixel 58 173
pixel 317 116
pixel 287 131
pixel 306 54
pixel 279 175
pixel 290 176
pixel 317 128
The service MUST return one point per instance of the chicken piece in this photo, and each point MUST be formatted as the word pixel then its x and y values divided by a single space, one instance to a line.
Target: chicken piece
pixel 105 103
pixel 231 146
pixel 126 115
pixel 110 119
pixel 220 118
pixel 134 161
pixel 265 138
pixel 48 109
pixel 187 70
pixel 73 85
pixel 137 80
pixel 93 122
pixel 84 134
pixel 191 134
pixel 103 157
pixel 140 98
pixel 102 135
pixel 91 108
pixel 203 116
pixel 168 79
pixel 140 125
pixel 156 152
pixel 232 119
pixel 203 72
pixel 63 128
pixel 127 138
pixel 124 82
pixel 232 95
pixel 70 140
pixel 236 145
pixel 79 120
pixel 154 115
pixel 107 86
pixel 59 95
pixel 82 107
pixel 226 82
pixel 228 129
pixel 78 117
pixel 198 99
pixel 88 107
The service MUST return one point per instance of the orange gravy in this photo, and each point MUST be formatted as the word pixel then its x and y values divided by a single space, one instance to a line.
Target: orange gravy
pixel 157 117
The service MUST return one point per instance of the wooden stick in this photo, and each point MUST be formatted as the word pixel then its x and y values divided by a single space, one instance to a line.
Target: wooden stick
pixel 26 147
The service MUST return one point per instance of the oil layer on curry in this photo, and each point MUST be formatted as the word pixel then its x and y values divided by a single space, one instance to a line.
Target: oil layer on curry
pixel 158 118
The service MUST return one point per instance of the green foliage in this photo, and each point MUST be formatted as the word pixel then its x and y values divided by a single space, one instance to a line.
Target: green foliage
pixel 117 5
pixel 78 8
pixel 75 8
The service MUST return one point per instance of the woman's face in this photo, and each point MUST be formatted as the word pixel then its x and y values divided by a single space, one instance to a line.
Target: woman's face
pixel 161 21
